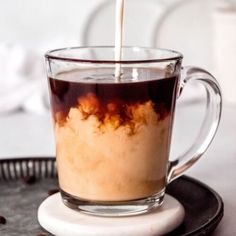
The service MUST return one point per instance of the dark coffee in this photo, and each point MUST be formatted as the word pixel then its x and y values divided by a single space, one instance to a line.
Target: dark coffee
pixel 112 98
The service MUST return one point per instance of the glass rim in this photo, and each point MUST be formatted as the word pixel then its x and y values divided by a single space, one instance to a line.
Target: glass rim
pixel 51 54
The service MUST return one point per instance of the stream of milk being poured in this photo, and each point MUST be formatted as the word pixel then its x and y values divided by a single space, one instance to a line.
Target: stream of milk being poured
pixel 119 36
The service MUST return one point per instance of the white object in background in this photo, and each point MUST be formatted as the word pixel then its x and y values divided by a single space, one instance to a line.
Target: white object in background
pixel 60 220
pixel 224 44
pixel 22 80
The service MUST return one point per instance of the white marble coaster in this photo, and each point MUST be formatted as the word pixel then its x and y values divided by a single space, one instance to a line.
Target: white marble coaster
pixel 60 220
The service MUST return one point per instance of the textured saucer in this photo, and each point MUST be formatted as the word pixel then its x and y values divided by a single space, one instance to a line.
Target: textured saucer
pixel 59 220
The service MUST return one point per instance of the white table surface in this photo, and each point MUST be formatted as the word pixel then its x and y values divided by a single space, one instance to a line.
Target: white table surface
pixel 24 134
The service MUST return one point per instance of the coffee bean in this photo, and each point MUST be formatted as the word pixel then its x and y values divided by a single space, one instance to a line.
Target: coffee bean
pixel 3 220
pixel 29 179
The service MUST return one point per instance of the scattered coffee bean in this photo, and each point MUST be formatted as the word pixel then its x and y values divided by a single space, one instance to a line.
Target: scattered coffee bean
pixel 52 191
pixel 3 220
pixel 29 179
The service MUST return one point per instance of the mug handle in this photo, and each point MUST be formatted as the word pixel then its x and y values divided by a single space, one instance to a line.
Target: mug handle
pixel 210 122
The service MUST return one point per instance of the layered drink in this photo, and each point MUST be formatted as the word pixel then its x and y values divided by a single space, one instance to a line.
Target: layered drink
pixel 112 139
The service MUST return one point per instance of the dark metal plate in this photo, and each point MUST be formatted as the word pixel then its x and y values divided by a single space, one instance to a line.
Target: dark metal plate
pixel 25 182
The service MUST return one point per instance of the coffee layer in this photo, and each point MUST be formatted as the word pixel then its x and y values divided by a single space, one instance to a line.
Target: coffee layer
pixel 111 97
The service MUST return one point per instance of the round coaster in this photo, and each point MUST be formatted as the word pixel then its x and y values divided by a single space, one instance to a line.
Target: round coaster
pixel 60 220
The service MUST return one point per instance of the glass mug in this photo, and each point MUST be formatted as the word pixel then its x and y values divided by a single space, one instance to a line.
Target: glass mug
pixel 113 135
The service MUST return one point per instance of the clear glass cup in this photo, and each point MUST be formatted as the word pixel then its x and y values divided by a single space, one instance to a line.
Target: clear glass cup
pixel 113 135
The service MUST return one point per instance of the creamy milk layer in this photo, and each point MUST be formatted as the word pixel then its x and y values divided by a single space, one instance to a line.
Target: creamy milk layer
pixel 105 160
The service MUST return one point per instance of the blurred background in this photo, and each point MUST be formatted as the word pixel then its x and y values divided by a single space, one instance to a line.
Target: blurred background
pixel 203 30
